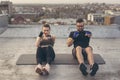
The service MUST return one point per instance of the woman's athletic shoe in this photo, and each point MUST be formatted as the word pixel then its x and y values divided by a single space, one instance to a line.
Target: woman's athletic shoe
pixel 46 69
pixel 38 69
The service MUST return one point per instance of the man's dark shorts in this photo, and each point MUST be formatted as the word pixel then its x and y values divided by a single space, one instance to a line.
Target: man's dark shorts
pixel 83 53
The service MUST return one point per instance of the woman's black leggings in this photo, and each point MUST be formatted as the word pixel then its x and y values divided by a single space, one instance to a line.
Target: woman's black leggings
pixel 45 54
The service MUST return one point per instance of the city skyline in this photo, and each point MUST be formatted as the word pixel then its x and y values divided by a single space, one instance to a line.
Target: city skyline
pixel 62 1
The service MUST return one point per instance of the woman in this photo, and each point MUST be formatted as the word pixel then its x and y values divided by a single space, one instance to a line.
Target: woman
pixel 45 52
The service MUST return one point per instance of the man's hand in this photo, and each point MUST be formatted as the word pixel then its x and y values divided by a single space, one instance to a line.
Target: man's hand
pixel 45 38
pixel 69 42
pixel 88 33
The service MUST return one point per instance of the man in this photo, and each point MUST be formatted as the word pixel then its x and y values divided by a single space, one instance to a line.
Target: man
pixel 45 52
pixel 80 39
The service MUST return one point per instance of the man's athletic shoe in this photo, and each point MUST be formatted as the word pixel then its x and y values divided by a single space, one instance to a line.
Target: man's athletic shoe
pixel 94 69
pixel 83 69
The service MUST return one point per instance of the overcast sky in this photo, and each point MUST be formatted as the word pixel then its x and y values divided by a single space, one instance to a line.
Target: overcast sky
pixel 63 1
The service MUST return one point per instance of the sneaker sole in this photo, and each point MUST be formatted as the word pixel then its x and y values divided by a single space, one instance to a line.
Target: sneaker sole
pixel 39 71
pixel 95 69
pixel 45 71
pixel 83 70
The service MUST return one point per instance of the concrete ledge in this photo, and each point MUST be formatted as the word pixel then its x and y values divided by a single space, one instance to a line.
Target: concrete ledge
pixel 61 31
pixel 103 31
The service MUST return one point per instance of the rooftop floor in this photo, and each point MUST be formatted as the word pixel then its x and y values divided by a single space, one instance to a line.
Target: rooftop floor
pixel 12 47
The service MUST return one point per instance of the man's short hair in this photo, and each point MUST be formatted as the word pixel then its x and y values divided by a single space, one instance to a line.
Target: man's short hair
pixel 46 25
pixel 79 20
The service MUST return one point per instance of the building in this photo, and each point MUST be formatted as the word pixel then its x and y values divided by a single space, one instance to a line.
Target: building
pixel 113 13
pixel 112 18
pixel 26 17
pixel 108 20
pixel 117 20
pixel 96 18
pixel 3 23
pixel 6 7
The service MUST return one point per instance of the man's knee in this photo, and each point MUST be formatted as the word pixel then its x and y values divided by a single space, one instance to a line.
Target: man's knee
pixel 74 51
pixel 89 48
pixel 78 48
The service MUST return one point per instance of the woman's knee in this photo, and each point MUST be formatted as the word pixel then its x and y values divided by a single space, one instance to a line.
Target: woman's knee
pixel 38 51
pixel 50 51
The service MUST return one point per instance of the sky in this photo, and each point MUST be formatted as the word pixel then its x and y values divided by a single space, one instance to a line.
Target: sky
pixel 63 1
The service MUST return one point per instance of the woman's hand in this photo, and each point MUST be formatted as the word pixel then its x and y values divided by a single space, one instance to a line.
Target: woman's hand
pixel 45 38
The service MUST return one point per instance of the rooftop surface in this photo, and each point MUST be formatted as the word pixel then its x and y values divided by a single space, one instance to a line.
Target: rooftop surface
pixel 16 42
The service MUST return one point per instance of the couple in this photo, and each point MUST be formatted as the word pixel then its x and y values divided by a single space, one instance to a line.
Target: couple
pixel 81 51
